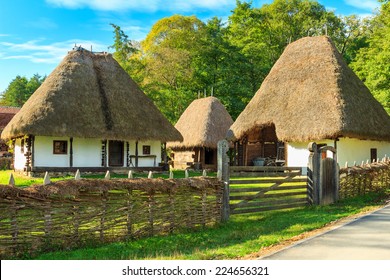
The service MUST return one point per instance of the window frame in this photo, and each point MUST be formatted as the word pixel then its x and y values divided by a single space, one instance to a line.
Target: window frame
pixel 146 149
pixel 63 151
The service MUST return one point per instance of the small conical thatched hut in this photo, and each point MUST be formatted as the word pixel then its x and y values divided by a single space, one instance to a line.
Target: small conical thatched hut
pixel 311 94
pixel 203 124
pixel 88 114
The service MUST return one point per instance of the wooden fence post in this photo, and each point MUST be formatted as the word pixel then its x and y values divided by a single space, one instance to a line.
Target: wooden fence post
pixel 313 174
pixel 223 175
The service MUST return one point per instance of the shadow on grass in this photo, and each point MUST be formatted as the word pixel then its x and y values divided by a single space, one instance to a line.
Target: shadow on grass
pixel 241 235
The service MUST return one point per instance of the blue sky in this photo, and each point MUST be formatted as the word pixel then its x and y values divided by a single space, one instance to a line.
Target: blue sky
pixel 36 34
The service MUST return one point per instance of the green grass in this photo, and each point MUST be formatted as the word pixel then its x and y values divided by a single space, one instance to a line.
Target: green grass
pixel 240 236
pixel 23 180
pixel 26 181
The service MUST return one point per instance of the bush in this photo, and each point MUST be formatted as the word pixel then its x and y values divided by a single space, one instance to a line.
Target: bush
pixel 5 163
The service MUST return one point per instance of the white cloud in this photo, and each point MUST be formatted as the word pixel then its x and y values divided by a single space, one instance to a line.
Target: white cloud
pixel 369 5
pixel 38 52
pixel 143 5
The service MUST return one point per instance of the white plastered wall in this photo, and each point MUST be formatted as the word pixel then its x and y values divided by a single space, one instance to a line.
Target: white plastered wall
pixel 87 152
pixel 43 152
pixel 19 158
pixel 349 150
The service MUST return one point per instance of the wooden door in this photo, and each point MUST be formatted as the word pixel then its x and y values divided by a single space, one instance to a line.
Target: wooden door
pixel 115 156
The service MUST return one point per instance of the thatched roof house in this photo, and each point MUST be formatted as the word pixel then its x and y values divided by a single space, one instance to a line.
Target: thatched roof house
pixel 203 124
pixel 6 115
pixel 89 96
pixel 311 94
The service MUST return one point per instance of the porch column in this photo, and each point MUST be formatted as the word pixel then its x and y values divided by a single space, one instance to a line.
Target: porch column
pixel 136 153
pixel 128 160
pixel 28 153
pixel 32 152
pixel 71 152
pixel 164 154
pixel 104 153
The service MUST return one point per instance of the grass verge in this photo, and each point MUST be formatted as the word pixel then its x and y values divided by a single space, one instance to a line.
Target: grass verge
pixel 242 235
pixel 26 181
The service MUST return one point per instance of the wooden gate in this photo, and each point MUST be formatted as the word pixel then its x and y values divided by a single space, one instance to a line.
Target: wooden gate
pixel 264 188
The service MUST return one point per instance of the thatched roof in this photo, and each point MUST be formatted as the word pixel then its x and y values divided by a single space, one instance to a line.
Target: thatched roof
pixel 203 124
pixel 89 95
pixel 311 94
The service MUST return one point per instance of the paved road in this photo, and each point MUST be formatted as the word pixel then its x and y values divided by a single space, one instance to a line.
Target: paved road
pixel 367 238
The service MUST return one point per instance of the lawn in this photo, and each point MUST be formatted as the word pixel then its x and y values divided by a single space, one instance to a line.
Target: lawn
pixel 25 181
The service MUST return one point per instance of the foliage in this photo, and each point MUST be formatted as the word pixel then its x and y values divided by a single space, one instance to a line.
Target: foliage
pixel 183 58
pixel 372 62
pixel 127 54
pixel 5 163
pixel 20 89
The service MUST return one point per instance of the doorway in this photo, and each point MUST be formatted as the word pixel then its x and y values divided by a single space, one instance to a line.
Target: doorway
pixel 115 154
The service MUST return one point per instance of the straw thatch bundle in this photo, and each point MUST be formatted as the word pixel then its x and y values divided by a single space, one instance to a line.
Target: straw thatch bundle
pixel 311 94
pixel 89 95
pixel 203 124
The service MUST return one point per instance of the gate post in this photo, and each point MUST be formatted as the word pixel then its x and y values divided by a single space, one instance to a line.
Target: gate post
pixel 223 175
pixel 323 175
pixel 313 174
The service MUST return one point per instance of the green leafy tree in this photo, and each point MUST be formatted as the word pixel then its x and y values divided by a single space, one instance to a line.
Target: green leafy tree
pixel 183 56
pixel 20 89
pixel 372 62
pixel 128 54
pixel 219 66
pixel 169 53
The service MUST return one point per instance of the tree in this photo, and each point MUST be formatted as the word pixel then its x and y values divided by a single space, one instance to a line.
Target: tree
pixel 169 53
pixel 351 36
pixel 372 62
pixel 219 68
pixel 20 89
pixel 182 55
pixel 128 54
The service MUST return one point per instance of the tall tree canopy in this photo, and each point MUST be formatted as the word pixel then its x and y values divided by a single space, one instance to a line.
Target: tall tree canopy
pixel 20 89
pixel 183 57
pixel 372 63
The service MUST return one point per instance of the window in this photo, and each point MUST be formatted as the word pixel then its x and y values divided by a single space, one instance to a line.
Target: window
pixel 146 150
pixel 60 147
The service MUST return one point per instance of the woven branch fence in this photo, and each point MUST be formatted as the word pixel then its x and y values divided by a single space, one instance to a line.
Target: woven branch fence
pixel 73 213
pixel 360 180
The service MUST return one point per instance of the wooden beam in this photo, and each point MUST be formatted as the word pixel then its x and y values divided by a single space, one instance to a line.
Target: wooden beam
pixel 136 153
pixel 71 152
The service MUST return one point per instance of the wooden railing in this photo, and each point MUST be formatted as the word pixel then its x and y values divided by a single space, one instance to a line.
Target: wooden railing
pixel 257 189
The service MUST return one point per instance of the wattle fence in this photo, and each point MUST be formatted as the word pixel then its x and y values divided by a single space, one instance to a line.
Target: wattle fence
pixel 73 213
pixel 360 180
